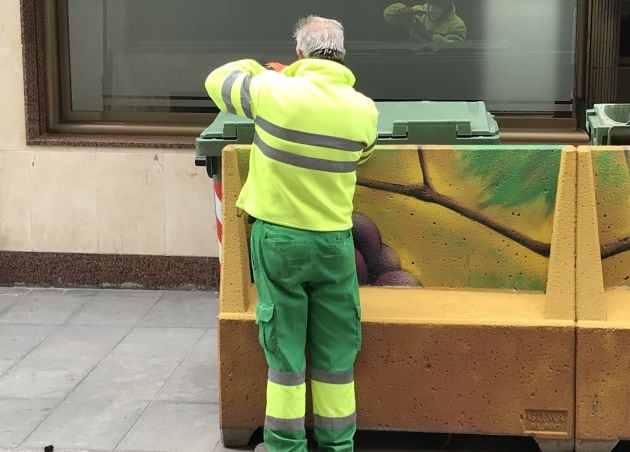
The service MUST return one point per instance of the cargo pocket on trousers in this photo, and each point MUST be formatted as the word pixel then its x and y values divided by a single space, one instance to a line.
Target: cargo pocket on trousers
pixel 264 318
pixel 359 333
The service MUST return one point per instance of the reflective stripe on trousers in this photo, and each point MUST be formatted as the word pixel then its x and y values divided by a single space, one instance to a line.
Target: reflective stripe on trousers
pixel 333 400
pixel 334 403
pixel 286 400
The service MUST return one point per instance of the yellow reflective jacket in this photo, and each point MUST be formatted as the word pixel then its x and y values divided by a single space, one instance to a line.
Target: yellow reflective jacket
pixel 448 30
pixel 312 129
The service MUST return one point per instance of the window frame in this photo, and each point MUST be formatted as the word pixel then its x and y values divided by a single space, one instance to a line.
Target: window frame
pixel 64 120
pixel 46 73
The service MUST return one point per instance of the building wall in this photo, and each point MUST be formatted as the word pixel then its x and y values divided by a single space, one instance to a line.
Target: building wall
pixel 93 200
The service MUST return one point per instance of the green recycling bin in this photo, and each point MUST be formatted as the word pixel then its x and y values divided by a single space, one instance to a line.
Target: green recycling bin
pixel 421 122
pixel 453 123
pixel 224 130
pixel 410 122
pixel 609 124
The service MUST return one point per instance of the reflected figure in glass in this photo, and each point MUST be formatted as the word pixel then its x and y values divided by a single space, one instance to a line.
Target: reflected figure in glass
pixel 433 21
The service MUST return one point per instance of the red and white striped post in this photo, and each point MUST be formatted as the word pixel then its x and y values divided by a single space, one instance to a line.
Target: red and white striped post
pixel 218 210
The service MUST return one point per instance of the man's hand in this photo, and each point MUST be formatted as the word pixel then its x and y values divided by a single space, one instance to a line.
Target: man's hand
pixel 275 66
pixel 420 31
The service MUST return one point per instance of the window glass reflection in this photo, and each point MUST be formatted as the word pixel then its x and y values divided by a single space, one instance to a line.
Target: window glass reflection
pixel 153 55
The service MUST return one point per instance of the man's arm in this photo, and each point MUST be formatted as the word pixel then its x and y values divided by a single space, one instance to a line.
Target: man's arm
pixel 367 153
pixel 401 15
pixel 457 33
pixel 373 135
pixel 393 13
pixel 230 87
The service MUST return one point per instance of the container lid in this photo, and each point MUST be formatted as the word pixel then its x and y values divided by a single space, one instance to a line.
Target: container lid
pixel 468 118
pixel 415 121
pixel 613 114
pixel 226 126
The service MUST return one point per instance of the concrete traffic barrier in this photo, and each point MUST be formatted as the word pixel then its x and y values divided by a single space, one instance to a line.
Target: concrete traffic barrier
pixel 603 298
pixel 468 295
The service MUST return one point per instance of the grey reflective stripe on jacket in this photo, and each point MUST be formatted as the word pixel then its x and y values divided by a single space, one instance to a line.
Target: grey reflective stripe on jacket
pixel 311 139
pixel 302 161
pixel 367 152
pixel 246 98
pixel 226 90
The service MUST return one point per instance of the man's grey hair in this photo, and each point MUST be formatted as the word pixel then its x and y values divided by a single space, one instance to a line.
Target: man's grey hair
pixel 318 37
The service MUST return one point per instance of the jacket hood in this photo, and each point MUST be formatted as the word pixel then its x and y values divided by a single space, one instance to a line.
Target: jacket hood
pixel 446 15
pixel 331 70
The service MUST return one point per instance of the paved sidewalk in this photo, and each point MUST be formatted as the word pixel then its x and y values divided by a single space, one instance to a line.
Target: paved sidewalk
pixel 131 370
pixel 108 369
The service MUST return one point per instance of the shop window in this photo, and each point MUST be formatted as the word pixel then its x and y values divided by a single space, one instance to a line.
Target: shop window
pixel 144 61
pixel 623 75
pixel 624 41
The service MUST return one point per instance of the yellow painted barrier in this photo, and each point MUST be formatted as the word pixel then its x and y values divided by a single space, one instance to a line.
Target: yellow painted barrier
pixel 480 335
pixel 603 298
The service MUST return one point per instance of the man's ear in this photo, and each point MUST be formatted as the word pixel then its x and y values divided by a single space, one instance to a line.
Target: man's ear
pixel 299 54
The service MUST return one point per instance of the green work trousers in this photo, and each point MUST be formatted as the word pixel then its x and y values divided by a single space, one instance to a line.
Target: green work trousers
pixel 308 294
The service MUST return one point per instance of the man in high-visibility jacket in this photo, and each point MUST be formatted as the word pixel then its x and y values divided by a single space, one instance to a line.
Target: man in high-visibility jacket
pixel 435 21
pixel 312 129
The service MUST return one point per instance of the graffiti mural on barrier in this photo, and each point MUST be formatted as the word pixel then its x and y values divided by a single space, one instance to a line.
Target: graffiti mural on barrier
pixel 454 217
pixel 461 217
pixel 612 192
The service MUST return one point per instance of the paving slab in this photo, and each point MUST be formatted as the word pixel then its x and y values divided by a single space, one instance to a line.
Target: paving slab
pixel 92 424
pixel 184 309
pixel 129 293
pixel 44 306
pixel 7 301
pixel 18 340
pixel 109 307
pixel 167 426
pixel 19 417
pixel 220 448
pixel 83 293
pixel 196 379
pixel 15 290
pixel 55 366
pixel 158 344
pixel 57 449
pixel 124 379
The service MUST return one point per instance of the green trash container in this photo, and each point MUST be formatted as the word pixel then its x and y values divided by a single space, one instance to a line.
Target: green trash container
pixel 609 124
pixel 224 130
pixel 421 122
pixel 451 123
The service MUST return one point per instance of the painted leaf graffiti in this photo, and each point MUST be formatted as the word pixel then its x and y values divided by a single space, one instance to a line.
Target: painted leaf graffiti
pixel 609 169
pixel 612 177
pixel 427 192
pixel 515 178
